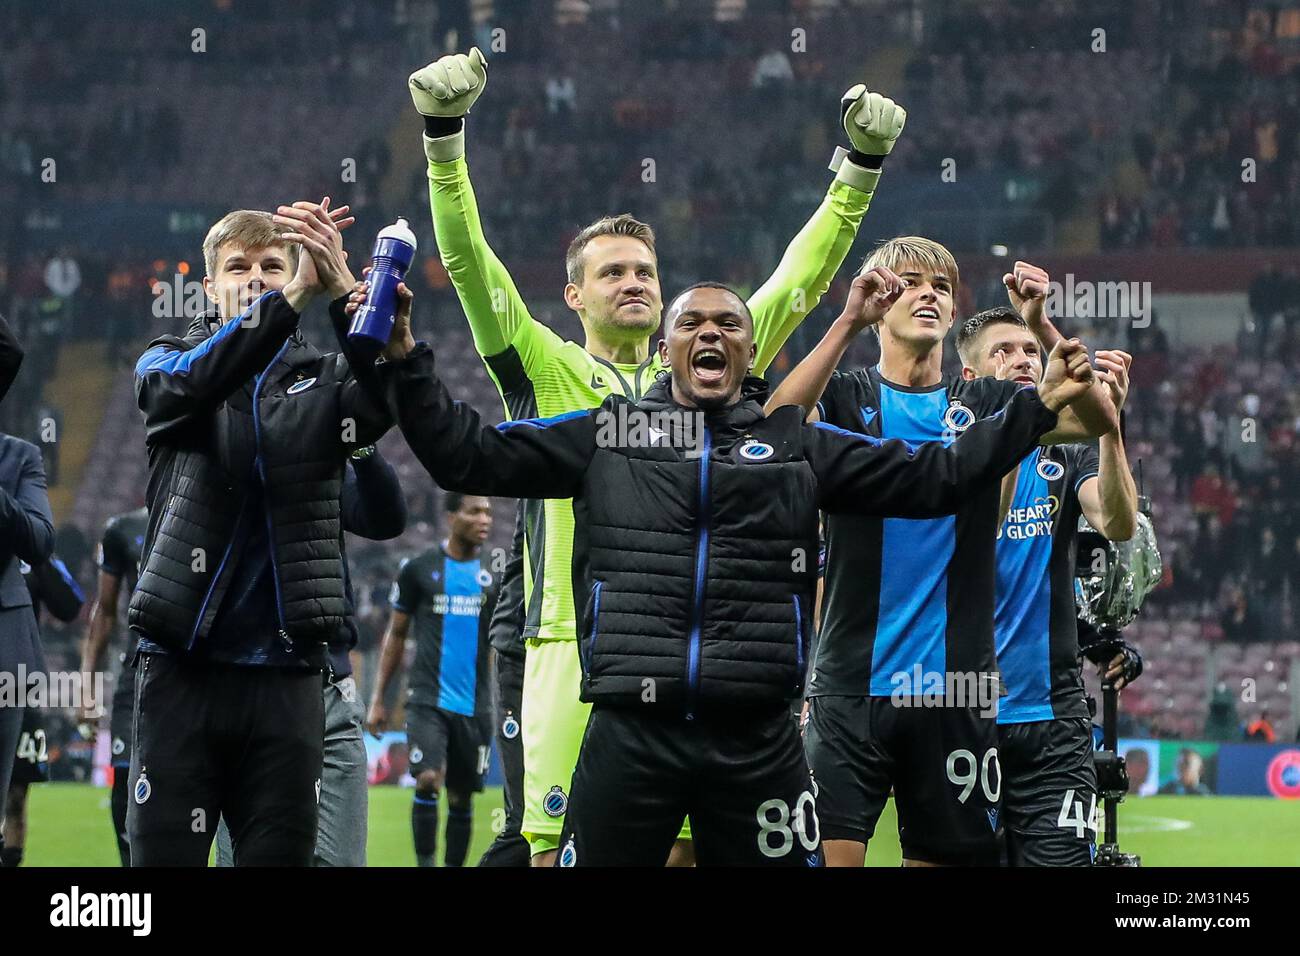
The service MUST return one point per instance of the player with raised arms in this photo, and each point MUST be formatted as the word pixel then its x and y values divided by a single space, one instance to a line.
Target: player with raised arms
pixel 695 606
pixel 1049 791
pixel 908 604
pixel 613 287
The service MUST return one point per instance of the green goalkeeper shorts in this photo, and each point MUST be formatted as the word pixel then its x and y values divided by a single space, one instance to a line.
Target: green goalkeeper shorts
pixel 553 722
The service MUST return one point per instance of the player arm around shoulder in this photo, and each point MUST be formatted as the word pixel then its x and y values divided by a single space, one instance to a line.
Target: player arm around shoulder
pixel 862 475
pixel 443 92
pixel 873 123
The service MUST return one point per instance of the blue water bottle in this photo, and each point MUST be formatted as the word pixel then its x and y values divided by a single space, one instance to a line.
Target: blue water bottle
pixel 373 322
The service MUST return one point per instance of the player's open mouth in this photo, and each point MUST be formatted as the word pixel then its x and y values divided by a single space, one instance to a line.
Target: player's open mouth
pixel 1025 380
pixel 709 365
pixel 926 315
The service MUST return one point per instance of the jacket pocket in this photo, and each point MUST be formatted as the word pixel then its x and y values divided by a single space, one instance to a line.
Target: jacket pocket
pixel 595 624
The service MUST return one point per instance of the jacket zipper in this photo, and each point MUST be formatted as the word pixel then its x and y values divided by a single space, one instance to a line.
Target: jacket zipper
pixel 139 699
pixel 798 642
pixel 701 568
pixel 266 496
pixel 595 622
pixel 198 620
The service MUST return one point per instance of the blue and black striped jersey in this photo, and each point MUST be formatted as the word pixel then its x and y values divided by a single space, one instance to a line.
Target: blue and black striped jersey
pixel 450 603
pixel 1037 630
pixel 900 592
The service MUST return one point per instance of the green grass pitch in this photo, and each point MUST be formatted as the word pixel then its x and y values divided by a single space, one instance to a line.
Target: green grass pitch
pixel 69 825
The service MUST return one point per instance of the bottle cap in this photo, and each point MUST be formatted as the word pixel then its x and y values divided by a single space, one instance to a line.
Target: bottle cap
pixel 399 230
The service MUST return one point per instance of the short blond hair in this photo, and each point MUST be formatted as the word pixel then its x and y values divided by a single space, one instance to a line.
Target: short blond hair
pixel 895 253
pixel 248 229
pixel 621 225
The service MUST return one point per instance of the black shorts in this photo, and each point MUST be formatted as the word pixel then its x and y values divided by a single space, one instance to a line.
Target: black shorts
pixel 219 739
pixel 31 760
pixel 740 777
pixel 1049 801
pixel 941 762
pixel 441 740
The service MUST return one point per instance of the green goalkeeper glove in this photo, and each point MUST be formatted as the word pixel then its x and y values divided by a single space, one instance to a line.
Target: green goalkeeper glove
pixel 873 121
pixel 449 85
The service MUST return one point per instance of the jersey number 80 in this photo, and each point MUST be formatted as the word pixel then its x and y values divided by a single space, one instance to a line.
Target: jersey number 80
pixel 786 825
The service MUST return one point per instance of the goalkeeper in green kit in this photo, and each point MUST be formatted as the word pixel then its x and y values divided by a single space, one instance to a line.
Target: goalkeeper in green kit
pixel 613 286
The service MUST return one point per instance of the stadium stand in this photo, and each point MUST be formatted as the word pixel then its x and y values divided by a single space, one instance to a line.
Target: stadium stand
pixel 1063 165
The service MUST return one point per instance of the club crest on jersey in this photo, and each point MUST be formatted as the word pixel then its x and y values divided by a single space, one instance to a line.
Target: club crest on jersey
pixel 302 386
pixel 510 727
pixel 417 755
pixel 143 788
pixel 484 578
pixel 755 450
pixel 958 417
pixel 555 802
pixel 569 855
pixel 1049 470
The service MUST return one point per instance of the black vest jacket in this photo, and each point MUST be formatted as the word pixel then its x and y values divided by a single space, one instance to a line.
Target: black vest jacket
pixel 292 431
pixel 713 607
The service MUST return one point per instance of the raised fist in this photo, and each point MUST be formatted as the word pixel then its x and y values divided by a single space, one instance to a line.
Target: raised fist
pixel 1027 289
pixel 872 120
pixel 449 85
pixel 871 295
pixel 1067 375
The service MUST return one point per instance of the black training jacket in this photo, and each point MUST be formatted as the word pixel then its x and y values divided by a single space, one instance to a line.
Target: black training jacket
pixel 226 408
pixel 695 549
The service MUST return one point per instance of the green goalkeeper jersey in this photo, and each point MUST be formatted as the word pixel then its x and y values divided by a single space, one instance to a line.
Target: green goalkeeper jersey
pixel 540 374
